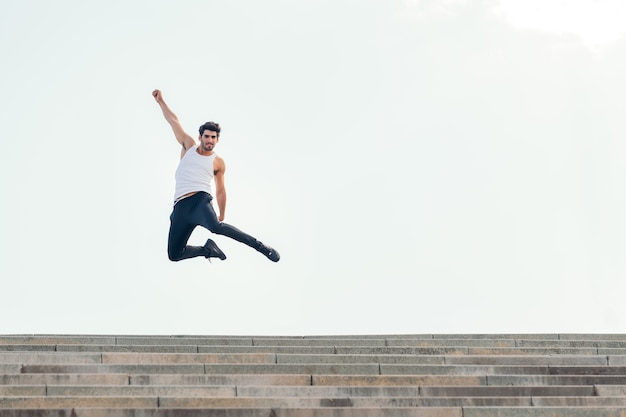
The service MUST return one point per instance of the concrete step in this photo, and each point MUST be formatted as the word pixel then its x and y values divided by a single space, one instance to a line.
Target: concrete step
pixel 184 340
pixel 307 350
pixel 22 390
pixel 414 391
pixel 306 379
pixel 528 360
pixel 495 336
pixel 534 351
pixel 315 369
pixel 544 411
pixel 211 391
pixel 327 412
pixel 65 379
pixel 141 391
pixel 27 348
pixel 386 369
pixel 579 402
pixel 508 343
pixel 114 369
pixel 287 402
pixel 238 412
pixel 343 369
pixel 361 359
pixel 49 358
pixel 507 391
pixel 398 380
pixel 305 358
pixel 133 348
pixel 608 390
pixel 234 379
pixel 517 380
pixel 348 402
pixel 300 391
pixel 46 402
pixel 466 342
pixel 347 350
pixel 570 340
pixel 27 358
pixel 597 343
pixel 190 349
pixel 330 349
pixel 348 369
pixel 520 360
pixel 136 339
pixel 54 340
pixel 328 391
pixel 555 380
pixel 187 358
pixel 461 350
pixel 517 401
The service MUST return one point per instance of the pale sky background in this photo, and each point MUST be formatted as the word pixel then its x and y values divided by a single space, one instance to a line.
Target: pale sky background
pixel 451 166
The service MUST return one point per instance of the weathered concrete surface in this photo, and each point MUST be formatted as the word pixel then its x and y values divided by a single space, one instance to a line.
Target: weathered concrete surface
pixel 26 358
pixel 544 412
pixel 65 379
pixel 140 390
pixel 380 375
pixel 189 358
pixel 398 380
pixel 239 379
pixel 359 358
pixel 239 412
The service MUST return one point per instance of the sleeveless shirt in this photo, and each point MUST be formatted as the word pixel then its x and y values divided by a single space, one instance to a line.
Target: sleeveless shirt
pixel 194 173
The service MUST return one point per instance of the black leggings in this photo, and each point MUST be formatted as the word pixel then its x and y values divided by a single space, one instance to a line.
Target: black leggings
pixel 197 211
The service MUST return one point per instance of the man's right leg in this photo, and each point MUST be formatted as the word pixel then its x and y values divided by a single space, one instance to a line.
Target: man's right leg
pixel 181 227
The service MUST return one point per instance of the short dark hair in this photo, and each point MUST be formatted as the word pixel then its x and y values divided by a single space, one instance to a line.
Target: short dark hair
pixel 212 126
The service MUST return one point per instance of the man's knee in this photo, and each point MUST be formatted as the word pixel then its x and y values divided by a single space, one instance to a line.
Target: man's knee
pixel 173 255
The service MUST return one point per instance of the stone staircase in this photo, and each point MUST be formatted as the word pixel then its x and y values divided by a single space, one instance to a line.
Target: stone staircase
pixel 388 375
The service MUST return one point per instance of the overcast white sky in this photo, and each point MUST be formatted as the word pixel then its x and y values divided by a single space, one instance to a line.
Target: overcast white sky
pixel 422 166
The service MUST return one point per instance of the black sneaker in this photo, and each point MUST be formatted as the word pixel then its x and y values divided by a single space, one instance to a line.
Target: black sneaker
pixel 271 253
pixel 213 251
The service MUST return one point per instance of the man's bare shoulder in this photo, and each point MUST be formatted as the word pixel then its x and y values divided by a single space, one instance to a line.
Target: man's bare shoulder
pixel 218 164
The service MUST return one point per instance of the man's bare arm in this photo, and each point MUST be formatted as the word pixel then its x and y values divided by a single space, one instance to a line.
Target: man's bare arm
pixel 181 136
pixel 220 188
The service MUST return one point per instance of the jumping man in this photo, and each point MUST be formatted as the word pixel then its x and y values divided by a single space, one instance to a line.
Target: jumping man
pixel 199 166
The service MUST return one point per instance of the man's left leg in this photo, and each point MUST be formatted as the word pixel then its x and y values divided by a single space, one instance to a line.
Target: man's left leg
pixel 225 229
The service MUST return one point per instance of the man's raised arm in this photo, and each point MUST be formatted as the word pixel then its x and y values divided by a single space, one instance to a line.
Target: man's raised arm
pixel 181 136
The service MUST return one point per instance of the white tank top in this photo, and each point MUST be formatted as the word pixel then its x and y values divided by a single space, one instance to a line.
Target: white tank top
pixel 194 173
